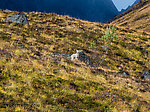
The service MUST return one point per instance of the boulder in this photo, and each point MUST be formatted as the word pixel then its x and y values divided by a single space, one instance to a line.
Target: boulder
pixel 146 75
pixel 125 74
pixel 20 18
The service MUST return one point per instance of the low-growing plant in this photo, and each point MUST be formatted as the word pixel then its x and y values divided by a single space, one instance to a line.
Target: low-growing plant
pixel 93 44
pixel 109 36
pixel 107 39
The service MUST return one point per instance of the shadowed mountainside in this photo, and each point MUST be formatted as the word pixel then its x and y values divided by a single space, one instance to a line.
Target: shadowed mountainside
pixel 91 10
pixel 32 79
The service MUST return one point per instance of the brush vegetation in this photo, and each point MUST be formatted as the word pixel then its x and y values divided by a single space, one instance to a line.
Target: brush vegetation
pixel 32 79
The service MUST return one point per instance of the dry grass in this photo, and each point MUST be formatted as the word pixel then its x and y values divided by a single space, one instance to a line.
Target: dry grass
pixel 31 79
pixel 138 19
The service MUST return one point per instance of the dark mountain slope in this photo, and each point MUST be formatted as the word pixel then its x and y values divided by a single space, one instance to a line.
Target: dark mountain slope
pixel 92 10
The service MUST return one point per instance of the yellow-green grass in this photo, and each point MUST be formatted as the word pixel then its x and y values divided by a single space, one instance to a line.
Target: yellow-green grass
pixel 31 79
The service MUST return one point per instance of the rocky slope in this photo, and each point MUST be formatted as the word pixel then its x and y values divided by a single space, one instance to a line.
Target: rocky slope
pixel 92 10
pixel 33 79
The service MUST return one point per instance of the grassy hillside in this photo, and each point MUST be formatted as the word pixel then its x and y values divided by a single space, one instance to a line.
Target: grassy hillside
pixel 32 79
pixel 137 17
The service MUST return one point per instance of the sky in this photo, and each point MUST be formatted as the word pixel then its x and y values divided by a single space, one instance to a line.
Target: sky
pixel 123 4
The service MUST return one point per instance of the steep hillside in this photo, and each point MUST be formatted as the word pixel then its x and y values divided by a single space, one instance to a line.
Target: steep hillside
pixel 33 79
pixel 137 17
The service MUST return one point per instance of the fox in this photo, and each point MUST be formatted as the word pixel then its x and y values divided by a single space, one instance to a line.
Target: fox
pixel 79 55
pixel 76 55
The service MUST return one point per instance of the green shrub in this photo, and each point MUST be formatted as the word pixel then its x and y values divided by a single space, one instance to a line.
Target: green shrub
pixel 107 39
pixel 109 36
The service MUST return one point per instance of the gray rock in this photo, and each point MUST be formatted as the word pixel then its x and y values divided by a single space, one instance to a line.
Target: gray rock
pixel 20 18
pixel 146 52
pixel 146 75
pixel 125 74
pixel 21 46
pixel 68 56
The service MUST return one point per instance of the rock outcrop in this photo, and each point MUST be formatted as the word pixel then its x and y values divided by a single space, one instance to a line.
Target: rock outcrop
pixel 20 18
pixel 146 75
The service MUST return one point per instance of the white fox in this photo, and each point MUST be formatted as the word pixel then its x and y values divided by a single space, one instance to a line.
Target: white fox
pixel 76 55
pixel 79 55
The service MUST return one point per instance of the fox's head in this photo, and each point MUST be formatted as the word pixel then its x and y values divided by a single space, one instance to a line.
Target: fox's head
pixel 78 51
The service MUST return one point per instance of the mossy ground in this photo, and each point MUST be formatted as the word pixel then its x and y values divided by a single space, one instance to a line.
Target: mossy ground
pixel 31 79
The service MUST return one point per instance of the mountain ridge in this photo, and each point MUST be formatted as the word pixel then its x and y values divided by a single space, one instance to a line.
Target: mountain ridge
pixel 123 10
pixel 92 10
pixel 136 18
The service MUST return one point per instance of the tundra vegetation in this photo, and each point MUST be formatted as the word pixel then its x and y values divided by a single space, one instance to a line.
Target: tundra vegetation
pixel 32 79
